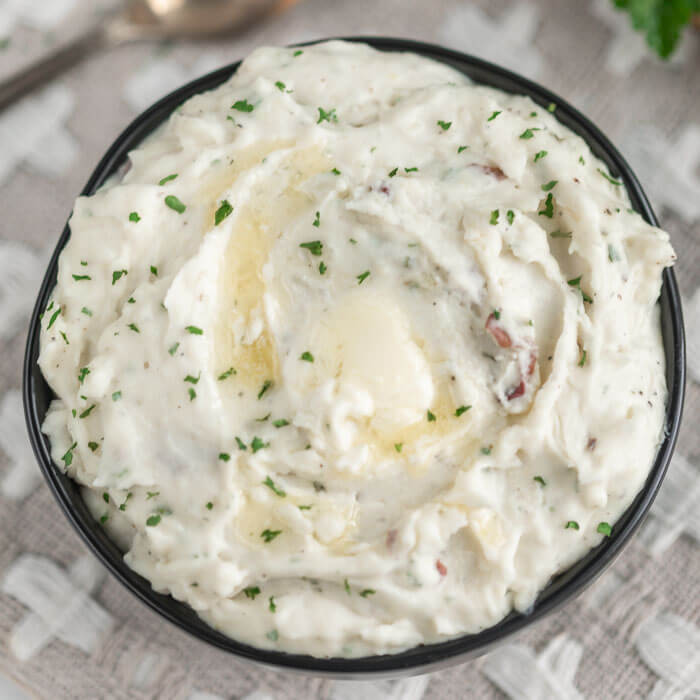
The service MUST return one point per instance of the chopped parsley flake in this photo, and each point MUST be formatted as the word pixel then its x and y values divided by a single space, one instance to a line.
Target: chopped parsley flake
pixel 494 217
pixel 104 518
pixel 611 180
pixel 304 507
pixel 317 220
pixel 257 444
pixel 226 374
pixel 486 450
pixel 134 327
pixel 242 106
pixel 251 592
pixel 68 457
pixel 280 85
pixel 84 371
pixel 194 330
pixel 335 171
pixel 192 380
pixel 266 385
pixel 173 348
pixel 571 525
pixel 274 488
pixel 551 107
pixel 411 170
pixel 117 275
pixel 539 155
pixel 581 160
pixel 314 247
pixel 116 395
pixel 168 178
pixel 549 185
pixel 510 215
pixel 209 505
pixel 431 416
pixel 326 116
pixel 398 446
pixel 153 520
pixel 131 300
pixel 539 480
pixel 497 314
pixel 134 216
pixel 322 268
pixel 298 52
pixel 576 282
pixel 271 604
pixel 529 133
pixel 241 444
pixel 367 592
pixel 79 278
pixel 462 148
pixel 461 410
pixel 494 115
pixel 346 585
pixel 154 270
pixel 192 393
pixel 86 311
pixel 54 316
pixel 175 204
pixel 269 535
pixel 306 356
pixel 582 361
pixel 122 506
pixel 152 494
pixel 548 210
pixel 93 446
pixel 224 456
pixel 65 337
pixel 280 422
pixel 361 278
pixel 604 529
pixel 222 212
pixel 105 497
pixel 87 411
pixel 393 172
pixel 444 125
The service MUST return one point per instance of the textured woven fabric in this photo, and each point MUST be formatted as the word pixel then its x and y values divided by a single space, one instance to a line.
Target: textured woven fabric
pixel 68 630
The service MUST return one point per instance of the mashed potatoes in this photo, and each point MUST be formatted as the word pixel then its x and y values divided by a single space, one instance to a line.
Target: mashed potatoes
pixel 356 355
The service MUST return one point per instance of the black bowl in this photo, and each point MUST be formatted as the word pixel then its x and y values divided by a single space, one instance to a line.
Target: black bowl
pixel 562 588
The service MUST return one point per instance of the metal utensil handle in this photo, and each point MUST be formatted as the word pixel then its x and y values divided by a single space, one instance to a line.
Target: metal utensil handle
pixel 50 66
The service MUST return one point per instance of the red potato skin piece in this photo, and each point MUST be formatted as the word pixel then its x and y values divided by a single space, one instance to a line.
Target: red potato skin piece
pixel 442 569
pixel 499 334
pixel 492 170
pixel 517 392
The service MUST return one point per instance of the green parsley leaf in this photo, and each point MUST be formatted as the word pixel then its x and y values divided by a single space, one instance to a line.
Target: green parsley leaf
pixel 367 592
pixel 117 275
pixel 411 170
pixel 222 212
pixel 494 217
pixel 173 348
pixel 571 525
pixel 134 216
pixel 510 215
pixel 79 278
pixel 461 409
pixel 604 529
pixel 224 456
pixel 209 505
pixel 314 247
pixel 494 115
pixel 361 278
pixel 611 180
pixel 194 330
pixel 539 480
pixel 549 186
pixel 192 380
pixel 539 155
pixel 322 268
pixel 486 450
pixel 576 282
pixel 462 148
pixel 134 327
pixel 122 506
pixel 398 446
pixel 251 592
pixel 153 520
pixel 192 393
pixel 116 395
pixel 93 446
pixel 104 518
pixel 444 125
pixel 335 171
pixel 152 494
pixel 105 497
pixel 257 444
pixel 68 457
pixel 65 337
pixel 269 535
pixel 304 507
pixel 280 422
pixel 273 487
pixel 529 133
pixel 168 178
pixel 317 220
pixel 280 85
pixel 548 210
pixel 346 585
pixel 431 416
pixel 86 311
pixel 271 602
pixel 393 172
pixel 551 107
pixel 581 160
pixel 84 371
pixel 242 106
pixel 87 411
pixel 227 374
pixel 298 52
pixel 266 385
pixel 241 444
pixel 175 204
pixel 131 300
pixel 582 361
pixel 154 270
pixel 306 356
pixel 328 116
pixel 54 316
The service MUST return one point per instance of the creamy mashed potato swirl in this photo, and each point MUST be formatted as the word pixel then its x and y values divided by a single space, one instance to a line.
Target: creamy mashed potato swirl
pixel 357 354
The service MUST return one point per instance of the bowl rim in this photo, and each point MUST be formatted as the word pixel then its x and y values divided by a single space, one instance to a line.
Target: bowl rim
pixel 429 657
